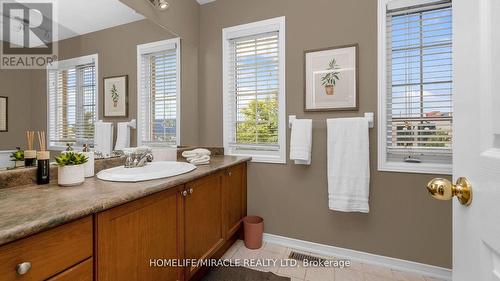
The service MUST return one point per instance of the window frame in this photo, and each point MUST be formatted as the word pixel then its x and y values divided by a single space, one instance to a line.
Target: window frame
pixel 154 47
pixel 66 64
pixel 383 163
pixel 256 28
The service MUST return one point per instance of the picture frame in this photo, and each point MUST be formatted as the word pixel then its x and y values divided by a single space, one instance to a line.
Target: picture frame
pixel 4 114
pixel 331 79
pixel 115 92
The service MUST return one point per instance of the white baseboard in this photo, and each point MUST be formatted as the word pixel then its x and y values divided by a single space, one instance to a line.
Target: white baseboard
pixel 357 256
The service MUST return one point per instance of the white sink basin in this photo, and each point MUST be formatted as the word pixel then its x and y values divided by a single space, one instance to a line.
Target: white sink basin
pixel 153 170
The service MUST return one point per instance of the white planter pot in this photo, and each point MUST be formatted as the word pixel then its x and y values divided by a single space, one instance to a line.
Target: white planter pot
pixel 70 175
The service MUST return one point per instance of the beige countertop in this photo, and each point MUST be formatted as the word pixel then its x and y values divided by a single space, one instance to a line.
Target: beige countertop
pixel 29 209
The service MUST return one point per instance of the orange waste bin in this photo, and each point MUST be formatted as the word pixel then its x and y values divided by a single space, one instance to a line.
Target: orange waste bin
pixel 254 229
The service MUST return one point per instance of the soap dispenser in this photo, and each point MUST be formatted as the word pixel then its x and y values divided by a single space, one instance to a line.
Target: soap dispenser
pixel 89 165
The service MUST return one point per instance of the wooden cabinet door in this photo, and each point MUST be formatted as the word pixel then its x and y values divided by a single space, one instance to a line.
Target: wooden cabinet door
pixel 234 198
pixel 203 219
pixel 128 236
pixel 48 252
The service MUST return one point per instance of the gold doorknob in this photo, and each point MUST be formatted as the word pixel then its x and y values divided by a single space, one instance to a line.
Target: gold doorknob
pixel 443 189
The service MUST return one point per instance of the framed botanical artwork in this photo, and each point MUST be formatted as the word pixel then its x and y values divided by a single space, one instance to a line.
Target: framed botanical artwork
pixel 116 96
pixel 4 111
pixel 331 79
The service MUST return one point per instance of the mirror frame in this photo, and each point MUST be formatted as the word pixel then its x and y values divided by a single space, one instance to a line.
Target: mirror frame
pixel 6 114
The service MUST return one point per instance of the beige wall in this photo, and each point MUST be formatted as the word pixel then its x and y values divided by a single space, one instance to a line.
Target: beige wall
pixel 117 50
pixel 15 84
pixel 404 222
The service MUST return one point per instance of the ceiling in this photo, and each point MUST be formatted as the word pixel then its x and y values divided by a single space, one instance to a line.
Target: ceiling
pixel 78 17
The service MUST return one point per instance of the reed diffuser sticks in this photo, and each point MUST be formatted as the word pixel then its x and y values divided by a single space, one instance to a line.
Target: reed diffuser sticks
pixel 29 153
pixel 41 140
pixel 30 137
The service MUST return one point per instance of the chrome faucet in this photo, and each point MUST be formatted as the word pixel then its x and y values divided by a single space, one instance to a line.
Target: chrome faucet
pixel 144 158
pixel 138 158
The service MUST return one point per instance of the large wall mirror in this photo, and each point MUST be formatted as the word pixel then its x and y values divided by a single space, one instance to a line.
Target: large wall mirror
pixel 95 39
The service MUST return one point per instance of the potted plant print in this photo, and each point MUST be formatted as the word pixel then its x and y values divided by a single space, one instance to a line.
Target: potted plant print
pixel 114 95
pixel 330 79
pixel 71 171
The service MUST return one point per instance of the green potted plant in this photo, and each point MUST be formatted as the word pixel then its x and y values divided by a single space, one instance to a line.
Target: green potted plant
pixel 114 95
pixel 330 79
pixel 71 171
pixel 18 157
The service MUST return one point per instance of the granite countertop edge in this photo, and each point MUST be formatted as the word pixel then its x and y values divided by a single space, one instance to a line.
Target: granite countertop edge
pixel 16 231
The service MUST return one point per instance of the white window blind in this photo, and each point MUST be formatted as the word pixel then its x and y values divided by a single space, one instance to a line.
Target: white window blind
pixel 72 105
pixel 254 92
pixel 254 86
pixel 419 83
pixel 159 92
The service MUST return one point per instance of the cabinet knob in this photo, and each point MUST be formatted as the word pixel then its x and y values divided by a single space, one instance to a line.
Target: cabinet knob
pixel 191 191
pixel 229 173
pixel 23 268
pixel 184 193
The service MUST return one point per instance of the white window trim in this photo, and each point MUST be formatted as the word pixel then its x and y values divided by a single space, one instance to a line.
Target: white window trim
pixel 154 47
pixel 383 163
pixel 67 64
pixel 270 25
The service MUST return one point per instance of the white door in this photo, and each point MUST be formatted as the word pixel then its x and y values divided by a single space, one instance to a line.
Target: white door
pixel 476 150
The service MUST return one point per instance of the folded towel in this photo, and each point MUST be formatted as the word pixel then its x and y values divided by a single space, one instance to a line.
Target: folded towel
pixel 122 135
pixel 301 141
pixel 205 159
pixel 348 165
pixel 196 153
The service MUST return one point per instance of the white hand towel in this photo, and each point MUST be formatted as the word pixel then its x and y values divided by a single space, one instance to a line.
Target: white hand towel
pixel 202 160
pixel 196 153
pixel 348 165
pixel 301 141
pixel 203 157
pixel 103 137
pixel 122 135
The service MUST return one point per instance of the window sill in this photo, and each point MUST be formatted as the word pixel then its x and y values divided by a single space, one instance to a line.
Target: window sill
pixel 418 168
pixel 261 158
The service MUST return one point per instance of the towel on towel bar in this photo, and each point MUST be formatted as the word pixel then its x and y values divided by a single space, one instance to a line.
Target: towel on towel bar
pixel 122 135
pixel 348 165
pixel 103 137
pixel 301 141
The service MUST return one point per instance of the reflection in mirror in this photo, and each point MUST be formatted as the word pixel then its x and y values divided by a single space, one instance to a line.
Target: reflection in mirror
pixel 93 85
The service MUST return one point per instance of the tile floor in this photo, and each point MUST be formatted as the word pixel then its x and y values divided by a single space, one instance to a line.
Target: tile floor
pixel 356 272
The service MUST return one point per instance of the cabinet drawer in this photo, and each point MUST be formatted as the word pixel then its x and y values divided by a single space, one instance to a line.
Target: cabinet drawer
pixel 49 252
pixel 79 272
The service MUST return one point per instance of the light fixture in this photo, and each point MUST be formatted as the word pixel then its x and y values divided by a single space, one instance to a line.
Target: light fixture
pixel 160 4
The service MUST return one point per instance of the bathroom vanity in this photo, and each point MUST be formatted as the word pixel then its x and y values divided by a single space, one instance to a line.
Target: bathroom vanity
pixel 118 231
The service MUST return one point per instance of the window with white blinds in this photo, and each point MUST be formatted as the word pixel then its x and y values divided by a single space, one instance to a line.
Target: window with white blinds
pixel 418 92
pixel 254 91
pixel 72 103
pixel 159 93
